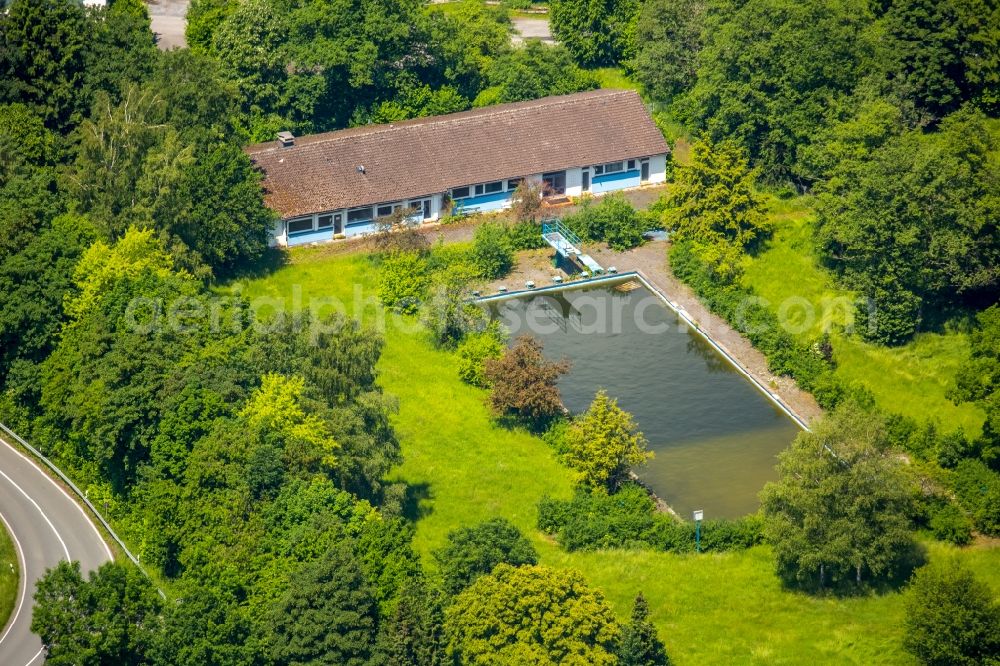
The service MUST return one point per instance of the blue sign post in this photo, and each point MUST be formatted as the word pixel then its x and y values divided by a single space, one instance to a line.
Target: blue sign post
pixel 698 515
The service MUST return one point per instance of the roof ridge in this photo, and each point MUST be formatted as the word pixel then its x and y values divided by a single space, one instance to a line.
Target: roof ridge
pixel 443 119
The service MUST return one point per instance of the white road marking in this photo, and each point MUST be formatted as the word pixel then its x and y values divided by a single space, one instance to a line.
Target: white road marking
pixel 20 550
pixel 29 498
pixel 24 578
pixel 72 501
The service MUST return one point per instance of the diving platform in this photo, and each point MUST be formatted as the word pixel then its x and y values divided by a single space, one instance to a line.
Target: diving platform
pixel 567 245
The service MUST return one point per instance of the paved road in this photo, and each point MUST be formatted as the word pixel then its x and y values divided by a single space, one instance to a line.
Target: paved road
pixel 47 526
pixel 168 22
pixel 531 28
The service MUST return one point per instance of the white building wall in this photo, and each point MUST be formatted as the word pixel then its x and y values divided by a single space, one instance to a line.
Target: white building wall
pixel 574 182
pixel 574 188
pixel 658 169
pixel 278 237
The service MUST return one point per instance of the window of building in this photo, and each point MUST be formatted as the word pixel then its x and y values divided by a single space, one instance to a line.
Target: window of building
pixel 300 224
pixel 460 193
pixel 324 222
pixel 612 167
pixel 384 211
pixel 359 215
pixel 513 183
pixel 421 208
pixel 631 164
pixel 489 188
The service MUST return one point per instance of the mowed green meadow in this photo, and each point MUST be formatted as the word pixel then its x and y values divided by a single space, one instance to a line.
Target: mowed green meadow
pixel 720 608
pixel 912 379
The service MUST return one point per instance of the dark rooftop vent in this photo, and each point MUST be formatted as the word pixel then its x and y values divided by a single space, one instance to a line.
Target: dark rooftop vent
pixel 286 139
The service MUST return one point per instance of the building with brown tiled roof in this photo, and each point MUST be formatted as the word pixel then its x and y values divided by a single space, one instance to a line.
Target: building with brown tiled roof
pixel 338 183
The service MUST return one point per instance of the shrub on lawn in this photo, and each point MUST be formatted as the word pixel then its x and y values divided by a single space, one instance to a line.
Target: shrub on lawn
pixel 612 220
pixel 628 519
pixel 402 281
pixel 948 523
pixel 978 490
pixel 476 349
pixel 492 252
pixel 449 316
pixel 595 519
pixel 475 551
pixel 951 617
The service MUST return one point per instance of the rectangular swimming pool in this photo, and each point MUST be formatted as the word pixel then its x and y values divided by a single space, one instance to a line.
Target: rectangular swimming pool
pixel 715 434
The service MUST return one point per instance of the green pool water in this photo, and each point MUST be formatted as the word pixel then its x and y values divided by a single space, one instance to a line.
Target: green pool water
pixel 715 435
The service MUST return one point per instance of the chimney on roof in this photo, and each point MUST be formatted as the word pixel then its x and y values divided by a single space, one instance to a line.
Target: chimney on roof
pixel 361 169
pixel 286 139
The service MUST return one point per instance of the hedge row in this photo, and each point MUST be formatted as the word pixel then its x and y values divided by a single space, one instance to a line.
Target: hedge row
pixel 628 519
pixel 807 363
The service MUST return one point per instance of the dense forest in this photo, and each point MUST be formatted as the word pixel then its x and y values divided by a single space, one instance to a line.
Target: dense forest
pixel 247 462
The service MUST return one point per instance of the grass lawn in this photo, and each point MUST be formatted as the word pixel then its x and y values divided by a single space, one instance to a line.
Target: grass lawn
pixel 9 570
pixel 724 608
pixel 911 380
pixel 615 78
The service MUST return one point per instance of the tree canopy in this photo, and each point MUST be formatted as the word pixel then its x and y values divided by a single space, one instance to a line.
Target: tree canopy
pixel 524 383
pixel 840 512
pixel 531 614
pixel 715 206
pixel 914 222
pixel 113 617
pixel 603 444
pixel 951 617
pixel 476 551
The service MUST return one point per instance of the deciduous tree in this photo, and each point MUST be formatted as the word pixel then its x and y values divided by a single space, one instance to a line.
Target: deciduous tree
pixel 531 614
pixel 951 617
pixel 914 224
pixel 668 41
pixel 603 444
pixel 840 512
pixel 110 619
pixel 596 32
pixel 524 383
pixel 472 552
pixel 755 87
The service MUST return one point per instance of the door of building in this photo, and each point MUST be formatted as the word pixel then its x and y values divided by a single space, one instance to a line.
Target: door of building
pixel 586 180
pixel 644 171
pixel 554 182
